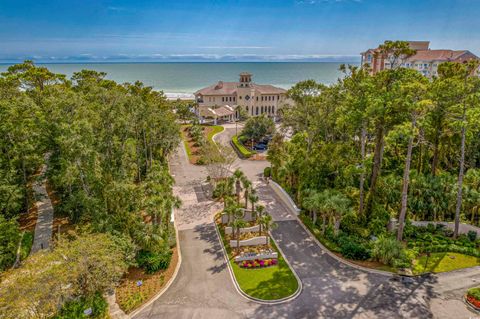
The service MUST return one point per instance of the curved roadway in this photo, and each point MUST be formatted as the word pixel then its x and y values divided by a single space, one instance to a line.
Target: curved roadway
pixel 331 289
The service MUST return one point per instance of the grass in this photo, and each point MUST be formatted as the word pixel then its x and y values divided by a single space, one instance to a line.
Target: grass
pixel 442 262
pixel 213 130
pixel 270 283
pixel 241 149
pixel 27 242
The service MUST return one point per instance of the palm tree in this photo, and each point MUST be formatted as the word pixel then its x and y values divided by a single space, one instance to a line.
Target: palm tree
pixel 259 210
pixel 237 178
pixel 337 204
pixel 253 199
pixel 238 224
pixel 312 202
pixel 267 223
pixel 247 186
pixel 223 190
pixel 233 212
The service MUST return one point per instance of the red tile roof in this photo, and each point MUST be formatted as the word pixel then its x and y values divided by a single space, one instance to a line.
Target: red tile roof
pixel 436 55
pixel 230 88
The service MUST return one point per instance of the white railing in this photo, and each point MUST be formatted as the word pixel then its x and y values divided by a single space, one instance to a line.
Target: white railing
pixel 284 197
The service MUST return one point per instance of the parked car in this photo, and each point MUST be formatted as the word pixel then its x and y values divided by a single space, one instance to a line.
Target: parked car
pixel 260 147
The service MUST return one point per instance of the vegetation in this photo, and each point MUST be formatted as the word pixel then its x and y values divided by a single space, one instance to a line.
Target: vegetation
pixel 393 145
pixel 78 268
pixel 198 141
pixel 441 262
pixel 153 262
pixel 76 308
pixel 106 148
pixel 9 240
pixel 241 149
pixel 257 127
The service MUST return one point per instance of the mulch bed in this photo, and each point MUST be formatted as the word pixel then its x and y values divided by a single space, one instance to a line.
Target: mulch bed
pixel 130 296
pixel 194 150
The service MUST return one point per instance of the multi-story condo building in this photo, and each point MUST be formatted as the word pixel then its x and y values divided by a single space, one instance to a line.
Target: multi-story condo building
pixel 425 60
pixel 222 100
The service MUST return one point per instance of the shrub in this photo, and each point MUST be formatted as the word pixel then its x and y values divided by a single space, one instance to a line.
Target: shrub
pixel 76 308
pixel 152 262
pixel 267 172
pixel 387 250
pixel 9 237
pixel 240 148
pixel 472 235
pixel 431 228
pixel 354 250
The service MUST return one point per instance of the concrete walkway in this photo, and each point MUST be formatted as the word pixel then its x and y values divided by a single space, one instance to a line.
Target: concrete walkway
pixel 44 225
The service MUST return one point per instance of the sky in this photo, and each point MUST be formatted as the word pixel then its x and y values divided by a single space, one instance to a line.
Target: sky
pixel 214 30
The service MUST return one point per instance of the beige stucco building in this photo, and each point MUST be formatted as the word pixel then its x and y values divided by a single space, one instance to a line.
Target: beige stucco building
pixel 425 60
pixel 254 99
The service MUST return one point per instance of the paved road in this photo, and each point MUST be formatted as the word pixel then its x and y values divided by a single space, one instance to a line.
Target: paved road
pixel 203 287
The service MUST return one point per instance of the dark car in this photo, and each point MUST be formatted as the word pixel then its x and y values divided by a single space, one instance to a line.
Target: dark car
pixel 260 147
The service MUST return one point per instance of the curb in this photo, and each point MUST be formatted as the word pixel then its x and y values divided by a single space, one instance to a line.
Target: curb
pixel 215 135
pixel 245 295
pixel 169 283
pixel 341 260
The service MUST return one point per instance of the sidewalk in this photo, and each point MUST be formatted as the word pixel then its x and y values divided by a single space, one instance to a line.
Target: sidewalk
pixel 43 228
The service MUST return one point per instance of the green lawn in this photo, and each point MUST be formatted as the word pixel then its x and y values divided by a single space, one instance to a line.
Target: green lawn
pixel 27 242
pixel 441 262
pixel 270 283
pixel 215 129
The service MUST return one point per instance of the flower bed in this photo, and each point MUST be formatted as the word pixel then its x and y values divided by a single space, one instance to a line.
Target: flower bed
pixel 473 298
pixel 258 263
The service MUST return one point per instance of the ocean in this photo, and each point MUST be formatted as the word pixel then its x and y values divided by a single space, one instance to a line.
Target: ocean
pixel 182 79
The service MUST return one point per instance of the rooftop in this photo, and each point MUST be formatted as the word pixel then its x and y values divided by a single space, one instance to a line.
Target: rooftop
pixel 230 88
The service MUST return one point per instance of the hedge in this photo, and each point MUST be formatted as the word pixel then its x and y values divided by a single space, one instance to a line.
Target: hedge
pixel 470 251
pixel 242 150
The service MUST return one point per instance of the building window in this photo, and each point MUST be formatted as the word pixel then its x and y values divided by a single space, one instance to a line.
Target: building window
pixel 257 98
pixel 256 111
pixel 273 109
pixel 247 108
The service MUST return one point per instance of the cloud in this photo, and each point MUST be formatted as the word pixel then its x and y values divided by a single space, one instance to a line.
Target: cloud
pixel 158 57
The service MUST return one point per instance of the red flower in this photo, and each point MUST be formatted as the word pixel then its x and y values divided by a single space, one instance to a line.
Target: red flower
pixel 473 301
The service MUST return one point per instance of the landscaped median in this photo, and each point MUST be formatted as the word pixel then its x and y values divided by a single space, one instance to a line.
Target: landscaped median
pixel 197 138
pixel 268 280
pixel 241 149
